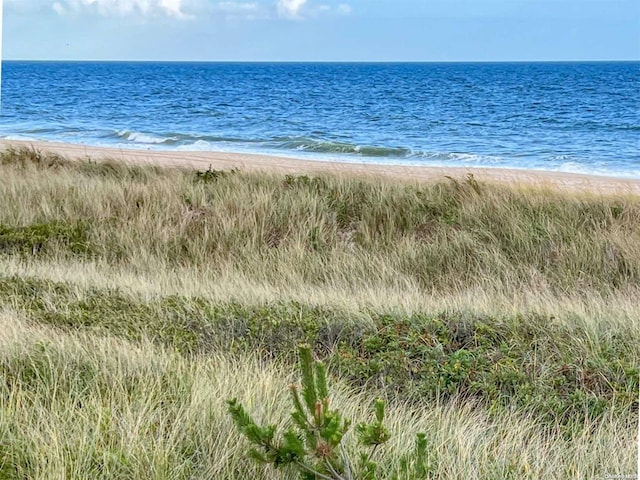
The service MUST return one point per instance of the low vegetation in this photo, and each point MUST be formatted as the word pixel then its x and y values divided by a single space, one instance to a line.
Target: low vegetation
pixel 500 322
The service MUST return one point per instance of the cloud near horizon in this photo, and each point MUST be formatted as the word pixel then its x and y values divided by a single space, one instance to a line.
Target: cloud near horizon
pixel 185 9
pixel 169 8
pixel 290 8
pixel 340 30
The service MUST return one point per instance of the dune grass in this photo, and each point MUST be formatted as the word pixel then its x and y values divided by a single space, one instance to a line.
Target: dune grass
pixel 501 321
pixel 85 406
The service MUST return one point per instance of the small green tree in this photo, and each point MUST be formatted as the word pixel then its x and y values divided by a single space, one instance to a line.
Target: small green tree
pixel 314 444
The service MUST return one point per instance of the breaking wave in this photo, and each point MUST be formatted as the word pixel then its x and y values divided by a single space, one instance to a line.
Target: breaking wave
pixel 324 146
pixel 300 144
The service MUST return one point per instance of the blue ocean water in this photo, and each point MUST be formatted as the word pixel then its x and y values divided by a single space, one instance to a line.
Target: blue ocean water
pixel 576 117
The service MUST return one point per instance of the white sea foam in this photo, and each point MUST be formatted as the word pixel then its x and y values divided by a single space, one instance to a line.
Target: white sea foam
pixel 198 145
pixel 475 158
pixel 138 137
pixel 453 158
pixel 18 138
pixel 575 167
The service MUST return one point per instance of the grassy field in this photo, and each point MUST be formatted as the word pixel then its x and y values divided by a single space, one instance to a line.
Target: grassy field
pixel 503 322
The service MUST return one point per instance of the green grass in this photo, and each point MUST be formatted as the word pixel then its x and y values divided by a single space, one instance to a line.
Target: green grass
pixel 134 301
pixel 37 238
pixel 535 363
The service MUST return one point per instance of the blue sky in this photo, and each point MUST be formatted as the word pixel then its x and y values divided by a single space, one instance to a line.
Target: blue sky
pixel 322 30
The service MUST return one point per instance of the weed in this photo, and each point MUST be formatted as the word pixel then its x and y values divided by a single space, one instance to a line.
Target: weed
pixel 211 175
pixel 37 238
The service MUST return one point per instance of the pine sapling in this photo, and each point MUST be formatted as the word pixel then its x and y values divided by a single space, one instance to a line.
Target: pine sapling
pixel 314 443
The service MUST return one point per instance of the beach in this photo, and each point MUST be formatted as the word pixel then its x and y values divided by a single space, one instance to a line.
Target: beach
pixel 202 160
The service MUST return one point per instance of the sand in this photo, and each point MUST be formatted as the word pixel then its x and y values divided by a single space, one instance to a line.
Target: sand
pixel 286 165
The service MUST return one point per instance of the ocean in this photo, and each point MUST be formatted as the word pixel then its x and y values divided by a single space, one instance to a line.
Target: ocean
pixel 569 117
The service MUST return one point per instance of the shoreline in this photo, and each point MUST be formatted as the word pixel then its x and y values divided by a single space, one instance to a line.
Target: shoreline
pixel 286 165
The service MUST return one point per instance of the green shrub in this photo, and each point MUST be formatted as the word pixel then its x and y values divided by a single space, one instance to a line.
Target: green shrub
pixel 314 445
pixel 530 363
pixel 210 175
pixel 37 238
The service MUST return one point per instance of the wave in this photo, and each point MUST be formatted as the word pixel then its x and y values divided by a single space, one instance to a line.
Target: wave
pixel 317 148
pixel 40 130
pixel 300 144
pixel 138 137
pixel 323 146
pixel 18 138
pixel 171 138
pixel 459 157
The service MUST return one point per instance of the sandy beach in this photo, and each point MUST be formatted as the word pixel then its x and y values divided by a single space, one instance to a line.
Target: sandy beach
pixel 268 163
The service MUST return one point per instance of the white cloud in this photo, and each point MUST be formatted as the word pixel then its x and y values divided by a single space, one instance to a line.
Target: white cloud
pixel 242 10
pixel 173 8
pixel 186 9
pixel 233 7
pixel 344 9
pixel 326 9
pixel 290 8
pixel 58 8
pixel 169 8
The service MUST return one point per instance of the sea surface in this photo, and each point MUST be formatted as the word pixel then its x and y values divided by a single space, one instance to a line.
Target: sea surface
pixel 571 117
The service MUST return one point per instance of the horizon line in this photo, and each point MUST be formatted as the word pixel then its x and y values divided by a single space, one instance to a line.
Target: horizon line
pixel 313 61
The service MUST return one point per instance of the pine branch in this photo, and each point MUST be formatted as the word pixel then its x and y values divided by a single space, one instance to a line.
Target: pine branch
pixel 318 433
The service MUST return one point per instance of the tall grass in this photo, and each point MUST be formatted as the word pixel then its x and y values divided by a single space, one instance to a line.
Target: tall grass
pixel 82 406
pixel 502 321
pixel 326 231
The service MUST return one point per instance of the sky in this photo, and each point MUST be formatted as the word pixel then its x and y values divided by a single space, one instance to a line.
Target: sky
pixel 322 30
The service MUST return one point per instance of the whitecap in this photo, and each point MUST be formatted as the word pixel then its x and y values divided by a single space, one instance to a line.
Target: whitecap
pixel 138 137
